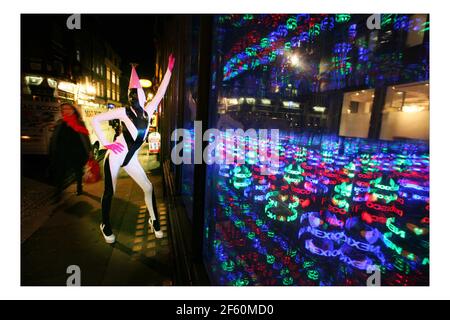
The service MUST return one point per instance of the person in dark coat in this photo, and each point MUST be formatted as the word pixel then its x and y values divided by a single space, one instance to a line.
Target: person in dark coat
pixel 70 149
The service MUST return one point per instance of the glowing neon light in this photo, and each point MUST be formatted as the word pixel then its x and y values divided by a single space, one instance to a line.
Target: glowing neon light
pixel 313 274
pixel 342 18
pixel 400 251
pixel 228 266
pixel 344 189
pixel 293 173
pixel 395 229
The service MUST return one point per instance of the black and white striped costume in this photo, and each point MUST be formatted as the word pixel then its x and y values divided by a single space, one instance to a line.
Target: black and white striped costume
pixel 135 121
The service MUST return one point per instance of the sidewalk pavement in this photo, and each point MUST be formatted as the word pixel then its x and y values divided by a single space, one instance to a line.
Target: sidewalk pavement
pixel 69 235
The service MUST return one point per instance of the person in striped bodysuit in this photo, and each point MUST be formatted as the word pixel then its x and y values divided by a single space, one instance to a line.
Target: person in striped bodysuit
pixel 124 150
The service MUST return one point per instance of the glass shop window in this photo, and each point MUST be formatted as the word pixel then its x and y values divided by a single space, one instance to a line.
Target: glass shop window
pixel 356 113
pixel 406 112
pixel 416 30
pixel 191 68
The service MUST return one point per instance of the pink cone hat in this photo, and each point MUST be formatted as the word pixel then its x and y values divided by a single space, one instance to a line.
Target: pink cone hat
pixel 134 79
pixel 135 84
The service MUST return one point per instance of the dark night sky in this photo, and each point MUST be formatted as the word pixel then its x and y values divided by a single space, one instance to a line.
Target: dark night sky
pixel 132 36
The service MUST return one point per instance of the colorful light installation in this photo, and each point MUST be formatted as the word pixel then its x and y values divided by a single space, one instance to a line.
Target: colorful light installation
pixel 271 38
pixel 324 236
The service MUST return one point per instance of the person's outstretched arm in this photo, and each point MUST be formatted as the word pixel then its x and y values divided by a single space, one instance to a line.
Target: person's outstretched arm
pixel 119 113
pixel 151 106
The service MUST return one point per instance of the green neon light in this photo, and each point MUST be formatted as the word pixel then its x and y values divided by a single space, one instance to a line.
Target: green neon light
pixel 291 23
pixel 284 272
pixel 241 282
pixel 293 173
pixel 239 224
pixel 386 19
pixel 395 229
pixel 313 274
pixel 292 253
pixel 341 18
pixel 399 250
pixel 418 231
pixel 264 42
pixel 341 203
pixel 391 187
pixel 288 281
pixel 228 266
pixel 344 189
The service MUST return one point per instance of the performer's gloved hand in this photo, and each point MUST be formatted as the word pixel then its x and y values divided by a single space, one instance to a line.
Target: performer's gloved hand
pixel 115 147
pixel 171 62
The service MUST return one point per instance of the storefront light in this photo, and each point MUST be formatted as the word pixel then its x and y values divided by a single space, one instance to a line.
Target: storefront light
pixel 250 100
pixel 67 87
pixel 412 108
pixel 52 83
pixel 319 109
pixel 90 89
pixel 88 103
pixel 145 83
pixel 232 101
pixel 291 104
pixel 295 60
pixel 266 102
pixel 33 80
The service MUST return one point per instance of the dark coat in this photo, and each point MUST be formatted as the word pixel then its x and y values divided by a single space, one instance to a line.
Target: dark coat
pixel 68 149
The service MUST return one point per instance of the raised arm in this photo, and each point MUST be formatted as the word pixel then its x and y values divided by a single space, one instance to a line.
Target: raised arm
pixel 151 106
pixel 106 116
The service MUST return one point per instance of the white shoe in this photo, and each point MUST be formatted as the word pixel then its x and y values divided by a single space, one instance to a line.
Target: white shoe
pixel 158 234
pixel 109 239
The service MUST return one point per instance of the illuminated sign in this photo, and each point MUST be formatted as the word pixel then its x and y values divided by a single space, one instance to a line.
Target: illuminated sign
pixel 33 80
pixel 67 87
pixel 291 105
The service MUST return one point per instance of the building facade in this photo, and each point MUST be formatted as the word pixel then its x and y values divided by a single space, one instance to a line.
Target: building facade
pixel 62 65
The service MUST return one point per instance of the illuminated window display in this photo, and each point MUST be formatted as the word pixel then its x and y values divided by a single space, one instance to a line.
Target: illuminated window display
pixel 406 112
pixel 340 204
pixel 356 112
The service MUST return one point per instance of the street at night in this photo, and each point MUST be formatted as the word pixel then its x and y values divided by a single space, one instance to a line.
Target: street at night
pixel 69 233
